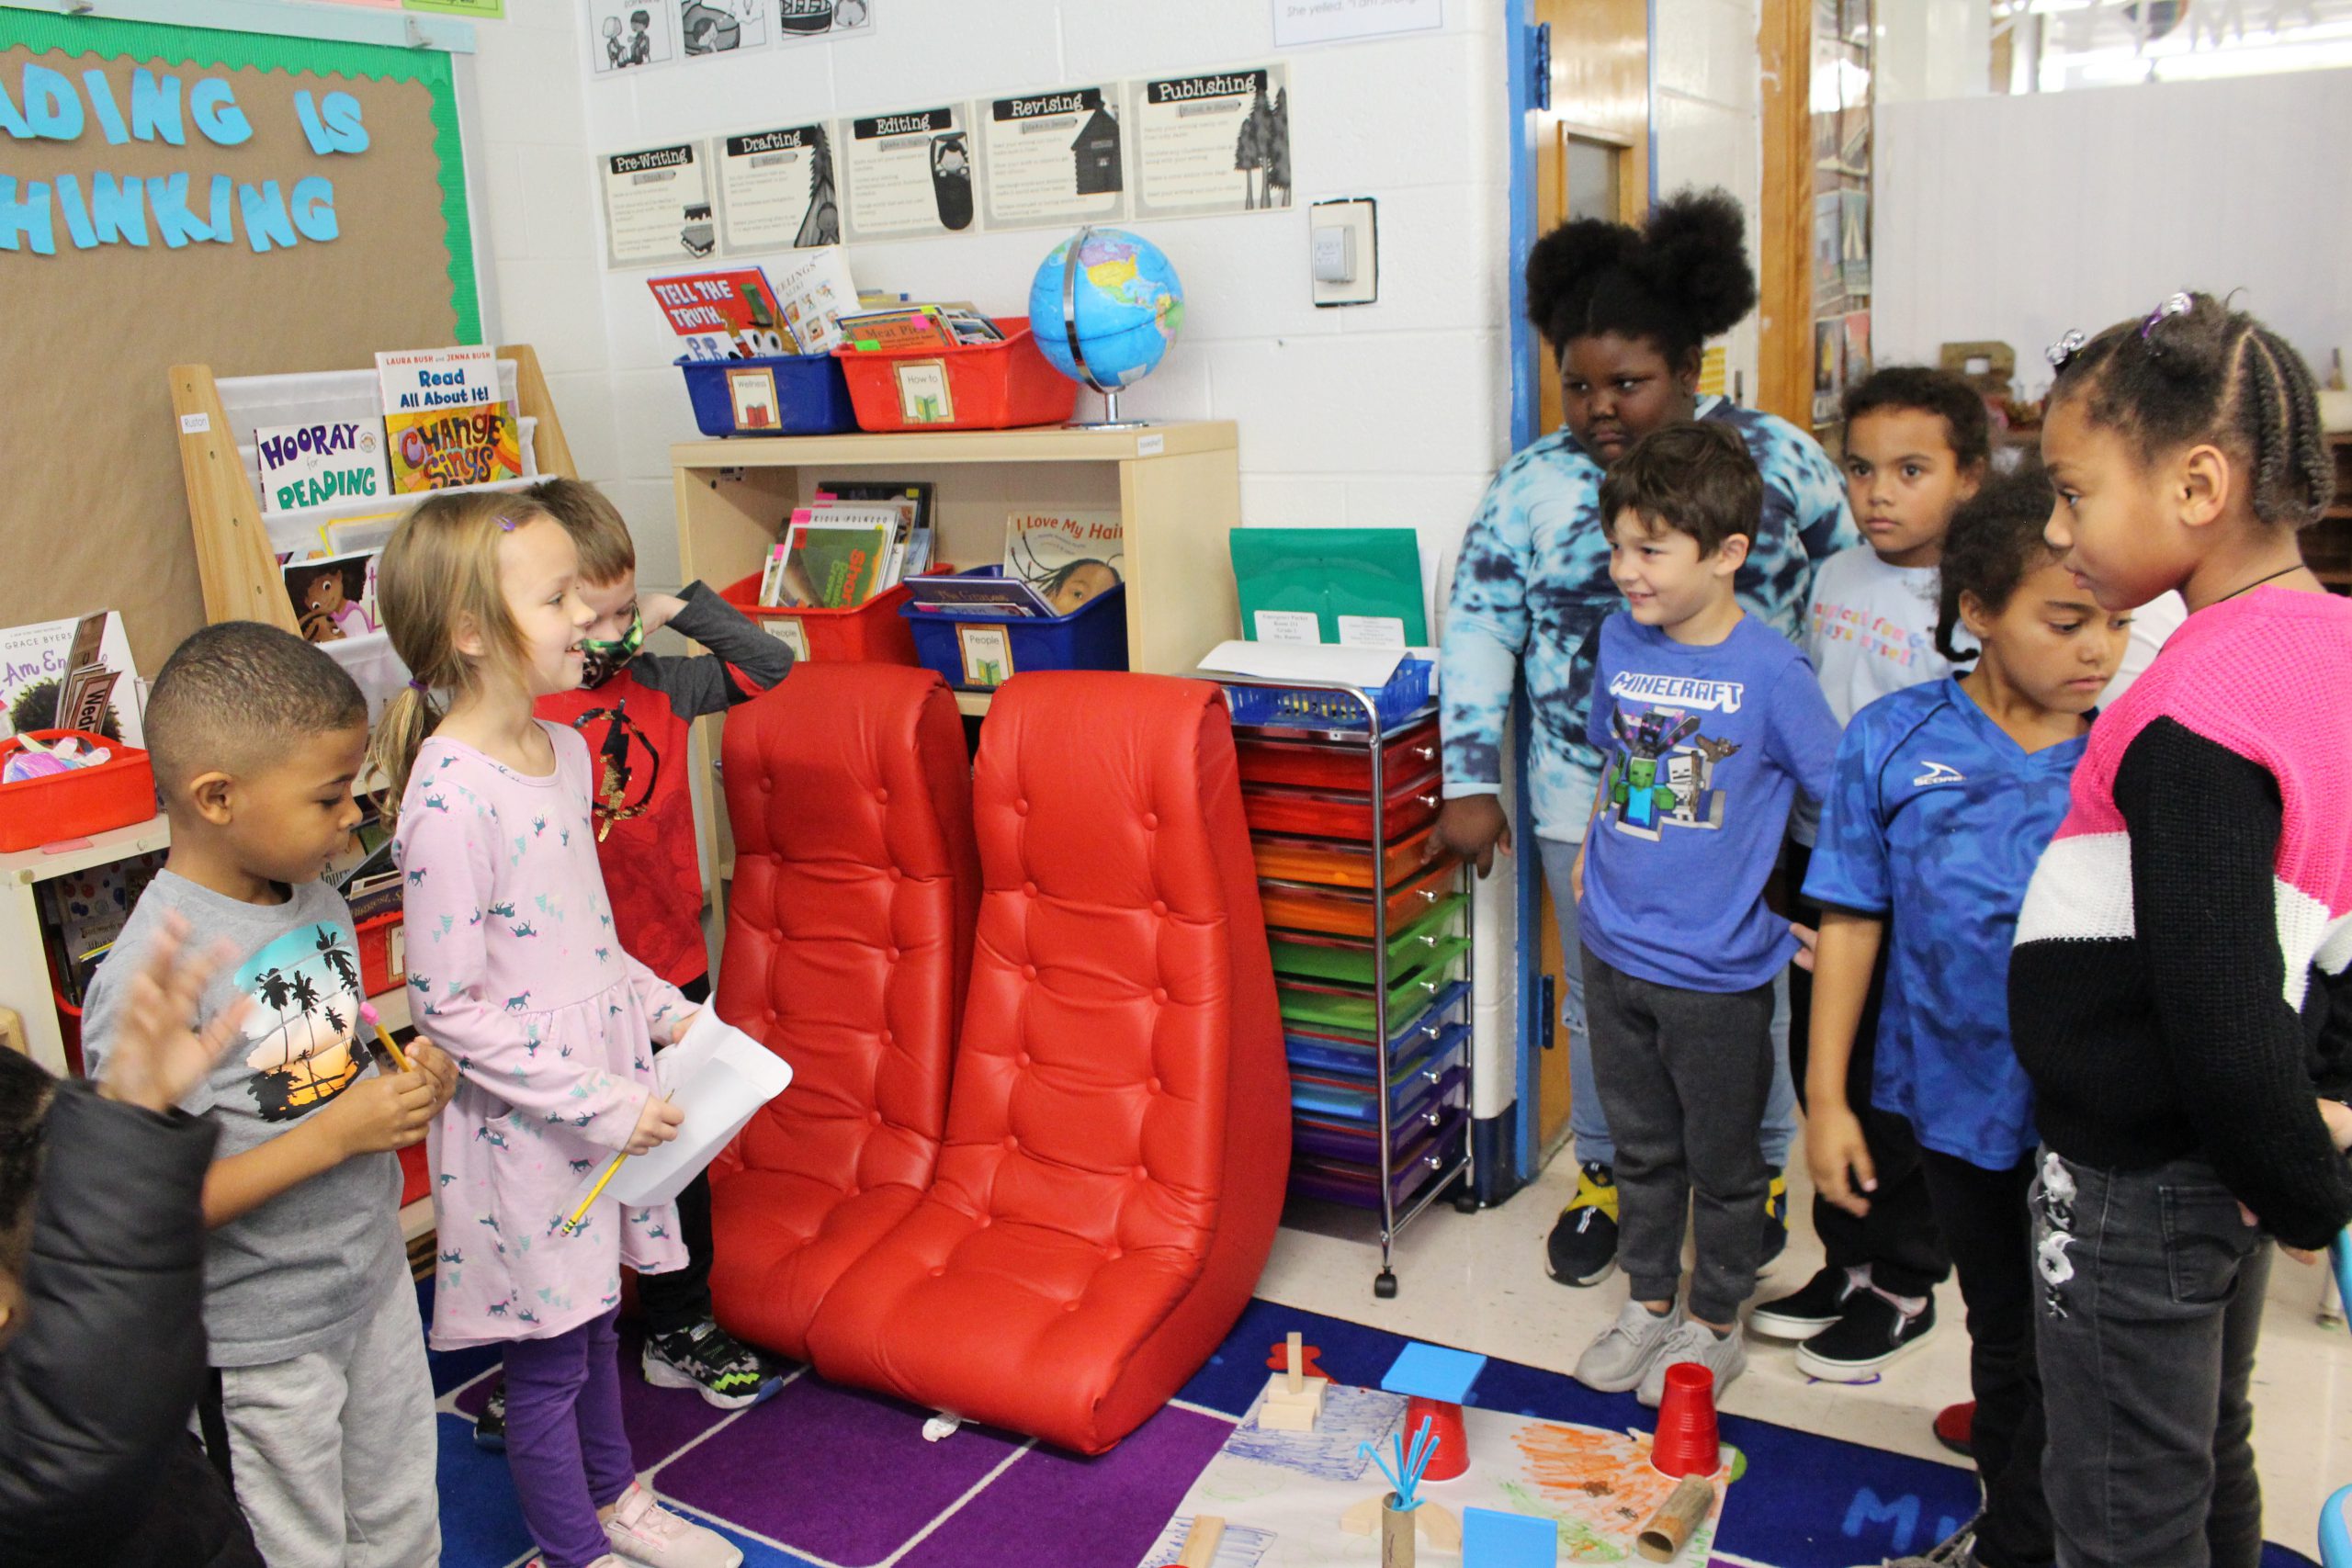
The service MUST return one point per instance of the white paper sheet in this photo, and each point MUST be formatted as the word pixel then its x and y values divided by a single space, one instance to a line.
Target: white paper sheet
pixel 719 1076
pixel 1316 664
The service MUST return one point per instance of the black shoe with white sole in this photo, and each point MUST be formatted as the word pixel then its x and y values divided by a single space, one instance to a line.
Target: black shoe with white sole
pixel 1582 1249
pixel 1869 1337
pixel 1811 1308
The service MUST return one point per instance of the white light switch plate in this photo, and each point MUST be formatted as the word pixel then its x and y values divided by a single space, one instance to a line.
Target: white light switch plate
pixel 1358 216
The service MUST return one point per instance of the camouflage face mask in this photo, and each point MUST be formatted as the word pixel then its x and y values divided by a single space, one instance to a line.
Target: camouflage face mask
pixel 603 660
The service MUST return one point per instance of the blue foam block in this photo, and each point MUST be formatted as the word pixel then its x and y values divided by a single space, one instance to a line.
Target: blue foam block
pixel 1494 1540
pixel 1427 1371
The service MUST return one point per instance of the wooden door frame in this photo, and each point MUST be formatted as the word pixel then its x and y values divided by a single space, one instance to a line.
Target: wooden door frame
pixel 1784 323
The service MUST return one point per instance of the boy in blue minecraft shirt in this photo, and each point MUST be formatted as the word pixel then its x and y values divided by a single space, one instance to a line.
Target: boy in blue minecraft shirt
pixel 1709 722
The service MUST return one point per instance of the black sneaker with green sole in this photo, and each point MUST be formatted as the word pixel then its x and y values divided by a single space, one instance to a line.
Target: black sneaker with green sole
pixel 712 1362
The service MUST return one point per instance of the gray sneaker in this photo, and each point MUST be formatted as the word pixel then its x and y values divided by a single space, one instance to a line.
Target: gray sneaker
pixel 1621 1358
pixel 1958 1552
pixel 1726 1358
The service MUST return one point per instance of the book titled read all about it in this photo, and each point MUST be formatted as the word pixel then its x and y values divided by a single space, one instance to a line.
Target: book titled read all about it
pixel 445 424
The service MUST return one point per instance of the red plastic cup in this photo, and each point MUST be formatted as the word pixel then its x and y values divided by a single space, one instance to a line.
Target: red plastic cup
pixel 1686 1442
pixel 1452 1455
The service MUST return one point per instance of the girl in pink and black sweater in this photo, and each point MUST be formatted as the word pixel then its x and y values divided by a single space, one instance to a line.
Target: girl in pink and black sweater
pixel 2178 992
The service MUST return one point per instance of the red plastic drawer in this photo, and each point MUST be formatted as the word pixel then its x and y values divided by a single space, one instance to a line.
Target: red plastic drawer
pixel 874 633
pixel 990 385
pixel 1283 808
pixel 1343 767
pixel 1340 862
pixel 1347 913
pixel 118 793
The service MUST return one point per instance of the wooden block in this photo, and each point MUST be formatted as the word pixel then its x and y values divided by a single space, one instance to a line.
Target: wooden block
pixel 1362 1518
pixel 12 1033
pixel 1201 1542
pixel 1272 1417
pixel 1294 1359
pixel 1441 1527
pixel 1283 1411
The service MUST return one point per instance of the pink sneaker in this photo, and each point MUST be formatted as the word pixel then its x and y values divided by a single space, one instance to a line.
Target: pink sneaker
pixel 643 1531
pixel 607 1561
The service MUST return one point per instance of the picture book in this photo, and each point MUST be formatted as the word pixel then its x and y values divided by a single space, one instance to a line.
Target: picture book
pixel 831 565
pixel 1069 557
pixel 418 379
pixel 334 599
pixel 316 465
pixel 438 449
pixel 815 291
pixel 990 589
pixel 37 665
pixel 897 330
pixel 723 315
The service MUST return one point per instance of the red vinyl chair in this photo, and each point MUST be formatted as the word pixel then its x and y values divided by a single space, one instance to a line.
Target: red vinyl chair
pixel 849 941
pixel 1119 1130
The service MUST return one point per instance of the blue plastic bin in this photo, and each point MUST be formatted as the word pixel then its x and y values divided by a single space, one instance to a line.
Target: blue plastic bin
pixel 806 391
pixel 979 651
pixel 1318 707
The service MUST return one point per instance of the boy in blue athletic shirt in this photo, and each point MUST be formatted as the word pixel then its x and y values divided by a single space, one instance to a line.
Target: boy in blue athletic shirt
pixel 1709 724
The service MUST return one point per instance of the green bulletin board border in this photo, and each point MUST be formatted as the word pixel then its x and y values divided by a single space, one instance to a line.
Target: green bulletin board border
pixel 257 51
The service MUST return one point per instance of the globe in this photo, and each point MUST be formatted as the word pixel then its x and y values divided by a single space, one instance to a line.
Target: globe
pixel 1126 302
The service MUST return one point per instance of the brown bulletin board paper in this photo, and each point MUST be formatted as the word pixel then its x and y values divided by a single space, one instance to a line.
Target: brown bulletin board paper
pixel 95 513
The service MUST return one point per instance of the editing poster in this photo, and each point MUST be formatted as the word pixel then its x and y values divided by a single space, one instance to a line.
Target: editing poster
pixel 802 19
pixel 776 190
pixel 657 207
pixel 1054 158
pixel 629 35
pixel 709 29
pixel 1218 143
pixel 911 175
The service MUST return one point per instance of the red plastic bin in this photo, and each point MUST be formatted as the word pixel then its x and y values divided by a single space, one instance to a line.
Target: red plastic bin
pixel 78 803
pixel 383 954
pixel 990 386
pixel 874 633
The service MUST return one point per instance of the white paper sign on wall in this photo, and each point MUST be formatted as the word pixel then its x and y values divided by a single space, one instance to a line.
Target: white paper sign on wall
pixel 1331 21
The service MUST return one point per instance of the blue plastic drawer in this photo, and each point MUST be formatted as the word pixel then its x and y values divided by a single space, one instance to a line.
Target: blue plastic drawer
pixel 979 650
pixel 791 394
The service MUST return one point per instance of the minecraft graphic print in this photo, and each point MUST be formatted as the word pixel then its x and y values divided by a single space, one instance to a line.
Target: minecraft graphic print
pixel 1662 770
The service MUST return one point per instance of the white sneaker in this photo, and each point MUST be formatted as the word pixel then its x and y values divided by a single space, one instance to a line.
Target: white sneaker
pixel 646 1533
pixel 1621 1358
pixel 1693 1342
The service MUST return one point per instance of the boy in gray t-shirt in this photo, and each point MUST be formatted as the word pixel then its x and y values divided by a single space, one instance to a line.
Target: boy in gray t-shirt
pixel 256 738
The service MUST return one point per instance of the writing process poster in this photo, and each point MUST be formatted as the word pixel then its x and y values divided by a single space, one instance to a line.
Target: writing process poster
pixel 910 175
pixel 1054 158
pixel 629 35
pixel 799 20
pixel 712 29
pixel 1215 143
pixel 776 189
pixel 657 207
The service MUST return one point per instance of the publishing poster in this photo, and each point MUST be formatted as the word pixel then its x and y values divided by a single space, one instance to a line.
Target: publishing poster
pixel 625 36
pixel 657 207
pixel 910 175
pixel 776 190
pixel 802 19
pixel 713 29
pixel 1217 142
pixel 1054 158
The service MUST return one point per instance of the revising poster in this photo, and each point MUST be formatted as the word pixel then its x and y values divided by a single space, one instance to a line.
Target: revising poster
pixel 709 28
pixel 910 175
pixel 657 207
pixel 629 35
pixel 1054 158
pixel 803 19
pixel 776 190
pixel 1216 142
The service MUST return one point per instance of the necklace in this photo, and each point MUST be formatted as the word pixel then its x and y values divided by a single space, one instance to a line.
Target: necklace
pixel 2258 581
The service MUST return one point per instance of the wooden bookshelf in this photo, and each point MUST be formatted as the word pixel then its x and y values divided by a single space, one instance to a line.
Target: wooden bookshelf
pixel 2327 543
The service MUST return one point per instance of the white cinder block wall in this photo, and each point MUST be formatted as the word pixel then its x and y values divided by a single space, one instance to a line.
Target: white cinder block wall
pixel 1706 114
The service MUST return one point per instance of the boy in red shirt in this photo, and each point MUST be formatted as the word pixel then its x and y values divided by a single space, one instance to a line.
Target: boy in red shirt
pixel 634 710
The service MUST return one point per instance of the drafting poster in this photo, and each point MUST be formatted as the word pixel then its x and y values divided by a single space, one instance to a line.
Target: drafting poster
pixel 802 19
pixel 629 35
pixel 657 205
pixel 1054 158
pixel 715 28
pixel 776 190
pixel 910 175
pixel 1217 142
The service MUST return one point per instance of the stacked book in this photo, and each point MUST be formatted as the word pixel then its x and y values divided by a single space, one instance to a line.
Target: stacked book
pixel 851 543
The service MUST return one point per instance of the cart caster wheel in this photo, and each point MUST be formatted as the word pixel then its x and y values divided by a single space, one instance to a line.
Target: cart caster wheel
pixel 1385 1287
pixel 1466 1201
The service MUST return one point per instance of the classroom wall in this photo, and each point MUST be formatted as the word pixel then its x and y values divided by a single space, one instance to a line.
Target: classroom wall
pixel 1706 121
pixel 1986 230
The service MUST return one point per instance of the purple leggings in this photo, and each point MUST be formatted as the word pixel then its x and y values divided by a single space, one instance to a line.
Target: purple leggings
pixel 564 1439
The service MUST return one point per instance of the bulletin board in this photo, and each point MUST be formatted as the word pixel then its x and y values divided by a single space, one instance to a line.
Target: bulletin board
pixel 92 507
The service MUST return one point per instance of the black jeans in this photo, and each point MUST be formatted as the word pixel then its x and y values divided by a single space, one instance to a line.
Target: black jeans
pixel 1684 1078
pixel 681 1298
pixel 2150 1286
pixel 1984 1217
pixel 1898 1238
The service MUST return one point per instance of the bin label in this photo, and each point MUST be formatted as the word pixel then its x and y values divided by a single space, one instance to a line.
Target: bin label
pixel 987 656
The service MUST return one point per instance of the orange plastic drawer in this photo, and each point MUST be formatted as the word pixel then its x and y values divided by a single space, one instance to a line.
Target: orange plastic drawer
pixel 1342 767
pixel 1341 863
pixel 1283 808
pixel 1349 913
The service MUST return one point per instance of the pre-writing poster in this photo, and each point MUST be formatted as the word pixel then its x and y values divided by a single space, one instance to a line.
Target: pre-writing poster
pixel 910 175
pixel 1054 158
pixel 658 205
pixel 776 189
pixel 1219 141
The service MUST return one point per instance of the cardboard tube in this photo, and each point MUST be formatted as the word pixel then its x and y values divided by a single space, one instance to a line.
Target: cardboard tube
pixel 1669 1529
pixel 1395 1534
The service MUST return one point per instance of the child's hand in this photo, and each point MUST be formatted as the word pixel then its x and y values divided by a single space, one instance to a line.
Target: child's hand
pixel 156 1059
pixel 658 610
pixel 656 1125
pixel 380 1114
pixel 679 1025
pixel 1840 1157
pixel 2338 1117
pixel 1473 827
pixel 1808 946
pixel 438 1068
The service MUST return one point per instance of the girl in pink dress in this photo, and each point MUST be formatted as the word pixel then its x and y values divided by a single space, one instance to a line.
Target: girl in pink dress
pixel 514 970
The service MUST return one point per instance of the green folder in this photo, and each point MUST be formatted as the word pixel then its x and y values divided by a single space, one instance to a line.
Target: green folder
pixel 1369 573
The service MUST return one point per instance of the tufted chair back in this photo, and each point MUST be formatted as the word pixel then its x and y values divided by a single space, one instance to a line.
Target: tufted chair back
pixel 848 943
pixel 1119 1135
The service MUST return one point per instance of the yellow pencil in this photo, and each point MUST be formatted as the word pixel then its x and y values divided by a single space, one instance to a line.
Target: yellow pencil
pixel 383 1036
pixel 580 1215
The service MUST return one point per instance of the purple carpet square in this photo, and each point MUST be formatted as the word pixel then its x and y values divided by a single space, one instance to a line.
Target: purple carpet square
pixel 837 1475
pixel 1055 1510
pixel 660 1421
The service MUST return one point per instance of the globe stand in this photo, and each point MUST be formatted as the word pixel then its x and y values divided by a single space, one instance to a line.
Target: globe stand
pixel 1110 419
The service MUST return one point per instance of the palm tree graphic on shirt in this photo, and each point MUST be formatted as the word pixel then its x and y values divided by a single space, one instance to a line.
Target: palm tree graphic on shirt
pixel 306 992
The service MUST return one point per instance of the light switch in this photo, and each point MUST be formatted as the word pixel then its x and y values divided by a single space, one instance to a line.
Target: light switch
pixel 1343 245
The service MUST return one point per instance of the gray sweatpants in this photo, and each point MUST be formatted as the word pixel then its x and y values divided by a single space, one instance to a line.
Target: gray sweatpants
pixel 1684 1078
pixel 332 1452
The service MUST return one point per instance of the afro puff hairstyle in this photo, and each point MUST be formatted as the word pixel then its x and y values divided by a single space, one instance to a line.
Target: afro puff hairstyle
pixel 1679 280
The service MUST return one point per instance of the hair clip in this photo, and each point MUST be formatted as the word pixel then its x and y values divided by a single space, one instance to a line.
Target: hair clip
pixel 2062 353
pixel 2174 305
pixel 416 685
pixel 505 524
